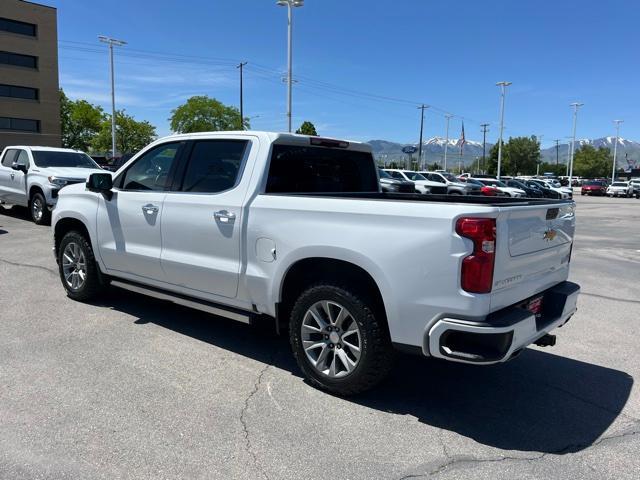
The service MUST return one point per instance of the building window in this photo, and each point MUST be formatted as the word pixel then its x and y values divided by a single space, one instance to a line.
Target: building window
pixel 18 60
pixel 19 124
pixel 14 91
pixel 15 26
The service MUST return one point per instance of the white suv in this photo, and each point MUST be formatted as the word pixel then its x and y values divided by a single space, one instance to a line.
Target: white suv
pixel 32 176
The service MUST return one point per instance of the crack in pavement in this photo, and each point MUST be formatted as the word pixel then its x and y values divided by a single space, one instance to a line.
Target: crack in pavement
pixel 243 420
pixel 462 459
pixel 613 299
pixel 27 265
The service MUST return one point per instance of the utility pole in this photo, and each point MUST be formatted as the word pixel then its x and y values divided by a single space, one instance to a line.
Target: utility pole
pixel 421 108
pixel 575 106
pixel 539 159
pixel 503 85
pixel 118 43
pixel 446 141
pixel 290 4
pixel 557 140
pixel 615 149
pixel 240 66
pixel 484 143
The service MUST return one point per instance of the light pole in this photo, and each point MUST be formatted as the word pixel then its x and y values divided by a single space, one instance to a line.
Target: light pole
pixel 503 86
pixel 446 140
pixel 289 4
pixel 615 149
pixel 575 106
pixel 118 43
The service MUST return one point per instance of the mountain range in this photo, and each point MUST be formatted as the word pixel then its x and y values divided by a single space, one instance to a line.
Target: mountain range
pixel 433 151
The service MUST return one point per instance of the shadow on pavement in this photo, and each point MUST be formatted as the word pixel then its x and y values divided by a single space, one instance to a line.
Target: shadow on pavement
pixel 537 402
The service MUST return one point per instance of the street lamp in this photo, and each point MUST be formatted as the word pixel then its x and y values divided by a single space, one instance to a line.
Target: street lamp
pixel 615 149
pixel 289 4
pixel 575 106
pixel 503 86
pixel 118 43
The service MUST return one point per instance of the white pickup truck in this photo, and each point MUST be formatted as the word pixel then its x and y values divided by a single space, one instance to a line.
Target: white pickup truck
pixel 32 176
pixel 294 230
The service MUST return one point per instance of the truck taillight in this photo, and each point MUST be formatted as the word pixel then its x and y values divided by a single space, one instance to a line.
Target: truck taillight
pixel 477 268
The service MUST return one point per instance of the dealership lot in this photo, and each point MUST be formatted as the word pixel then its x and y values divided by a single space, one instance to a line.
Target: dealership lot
pixel 136 388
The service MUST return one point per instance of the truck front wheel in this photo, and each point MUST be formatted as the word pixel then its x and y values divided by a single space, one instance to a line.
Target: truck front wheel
pixel 40 213
pixel 79 271
pixel 339 339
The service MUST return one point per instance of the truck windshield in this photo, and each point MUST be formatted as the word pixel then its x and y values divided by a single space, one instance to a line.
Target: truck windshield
pixel 306 169
pixel 46 159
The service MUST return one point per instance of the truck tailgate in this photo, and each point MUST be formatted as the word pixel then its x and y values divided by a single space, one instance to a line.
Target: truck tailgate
pixel 533 249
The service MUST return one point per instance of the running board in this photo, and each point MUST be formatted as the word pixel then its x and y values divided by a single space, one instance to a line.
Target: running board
pixel 194 303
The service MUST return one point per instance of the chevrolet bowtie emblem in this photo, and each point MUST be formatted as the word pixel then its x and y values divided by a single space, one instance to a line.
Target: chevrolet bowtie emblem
pixel 549 235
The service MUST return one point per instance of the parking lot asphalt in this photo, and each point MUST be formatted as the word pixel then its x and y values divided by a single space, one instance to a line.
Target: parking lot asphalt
pixel 131 387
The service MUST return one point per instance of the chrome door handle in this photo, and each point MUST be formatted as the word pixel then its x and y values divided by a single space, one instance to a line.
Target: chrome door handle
pixel 224 216
pixel 149 209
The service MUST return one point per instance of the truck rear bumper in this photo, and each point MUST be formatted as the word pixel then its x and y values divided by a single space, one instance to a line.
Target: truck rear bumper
pixel 504 333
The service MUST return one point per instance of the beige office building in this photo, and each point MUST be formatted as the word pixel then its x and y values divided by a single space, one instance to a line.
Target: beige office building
pixel 29 99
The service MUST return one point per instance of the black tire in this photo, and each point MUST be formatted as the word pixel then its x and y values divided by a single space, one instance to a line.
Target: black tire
pixel 376 357
pixel 40 213
pixel 93 281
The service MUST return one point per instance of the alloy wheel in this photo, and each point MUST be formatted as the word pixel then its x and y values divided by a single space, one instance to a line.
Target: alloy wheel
pixel 331 339
pixel 74 266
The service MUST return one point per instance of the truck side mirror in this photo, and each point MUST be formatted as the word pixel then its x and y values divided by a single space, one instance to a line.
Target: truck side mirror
pixel 19 167
pixel 101 183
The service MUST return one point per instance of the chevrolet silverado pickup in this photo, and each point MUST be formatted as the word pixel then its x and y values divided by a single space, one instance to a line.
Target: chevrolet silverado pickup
pixel 266 227
pixel 33 176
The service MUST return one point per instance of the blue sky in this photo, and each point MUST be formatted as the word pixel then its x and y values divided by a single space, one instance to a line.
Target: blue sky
pixel 362 66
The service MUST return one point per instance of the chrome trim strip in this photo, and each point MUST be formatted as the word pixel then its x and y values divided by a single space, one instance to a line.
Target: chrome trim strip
pixel 183 301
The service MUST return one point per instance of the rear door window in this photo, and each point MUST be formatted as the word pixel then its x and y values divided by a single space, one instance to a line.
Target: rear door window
pixel 214 166
pixel 307 169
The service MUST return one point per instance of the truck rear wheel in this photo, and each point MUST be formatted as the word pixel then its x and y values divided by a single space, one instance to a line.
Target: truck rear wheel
pixel 40 213
pixel 340 342
pixel 79 272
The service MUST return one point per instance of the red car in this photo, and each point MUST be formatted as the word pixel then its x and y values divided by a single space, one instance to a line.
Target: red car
pixel 593 187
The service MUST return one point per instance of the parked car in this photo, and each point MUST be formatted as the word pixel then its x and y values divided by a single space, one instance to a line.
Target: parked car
pixel 454 186
pixel 33 176
pixel 485 190
pixel 395 185
pixel 620 189
pixel 635 183
pixel 547 191
pixel 422 185
pixel 293 230
pixel 593 187
pixel 567 192
pixel 530 192
pixel 510 191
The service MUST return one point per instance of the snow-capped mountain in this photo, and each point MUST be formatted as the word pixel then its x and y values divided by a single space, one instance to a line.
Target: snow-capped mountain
pixel 433 150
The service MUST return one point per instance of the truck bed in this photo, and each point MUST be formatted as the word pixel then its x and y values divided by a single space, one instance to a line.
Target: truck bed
pixel 417 197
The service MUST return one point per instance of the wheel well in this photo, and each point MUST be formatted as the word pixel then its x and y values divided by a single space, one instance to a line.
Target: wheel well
pixel 33 190
pixel 66 225
pixel 309 271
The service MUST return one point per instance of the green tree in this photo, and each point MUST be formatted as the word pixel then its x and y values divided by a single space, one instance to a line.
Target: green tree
pixel 591 163
pixel 434 166
pixel 204 114
pixel 520 155
pixel 80 122
pixel 131 135
pixel 307 128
